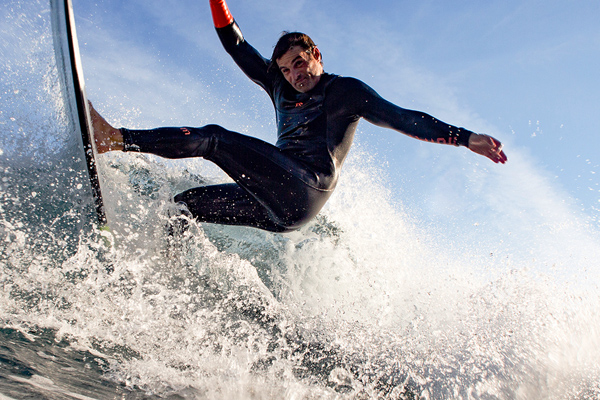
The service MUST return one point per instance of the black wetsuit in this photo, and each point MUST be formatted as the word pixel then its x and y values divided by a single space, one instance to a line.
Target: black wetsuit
pixel 282 187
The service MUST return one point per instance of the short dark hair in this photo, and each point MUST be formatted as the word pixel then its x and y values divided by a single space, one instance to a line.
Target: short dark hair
pixel 286 42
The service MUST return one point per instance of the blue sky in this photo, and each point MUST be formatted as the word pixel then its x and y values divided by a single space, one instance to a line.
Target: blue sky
pixel 522 71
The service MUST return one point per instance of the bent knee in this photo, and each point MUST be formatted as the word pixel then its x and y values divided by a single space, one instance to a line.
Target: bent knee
pixel 215 129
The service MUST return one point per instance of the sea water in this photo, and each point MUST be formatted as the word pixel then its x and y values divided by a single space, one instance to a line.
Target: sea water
pixel 365 302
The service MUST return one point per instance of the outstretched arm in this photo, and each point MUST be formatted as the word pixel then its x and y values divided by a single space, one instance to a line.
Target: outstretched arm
pixel 245 56
pixel 422 126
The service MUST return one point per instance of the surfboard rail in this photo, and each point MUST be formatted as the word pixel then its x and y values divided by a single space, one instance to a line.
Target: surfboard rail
pixel 71 73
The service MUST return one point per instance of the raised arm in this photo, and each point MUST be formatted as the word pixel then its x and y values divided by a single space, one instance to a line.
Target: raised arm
pixel 419 125
pixel 250 61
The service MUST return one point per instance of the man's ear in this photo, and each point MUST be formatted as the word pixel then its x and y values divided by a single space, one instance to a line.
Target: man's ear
pixel 317 54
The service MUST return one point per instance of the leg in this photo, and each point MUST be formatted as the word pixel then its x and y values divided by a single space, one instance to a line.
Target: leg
pixel 227 204
pixel 286 189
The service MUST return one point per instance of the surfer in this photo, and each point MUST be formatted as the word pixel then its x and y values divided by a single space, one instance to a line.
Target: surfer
pixel 283 186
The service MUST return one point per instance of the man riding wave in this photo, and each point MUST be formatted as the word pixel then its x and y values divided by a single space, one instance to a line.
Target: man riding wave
pixel 281 187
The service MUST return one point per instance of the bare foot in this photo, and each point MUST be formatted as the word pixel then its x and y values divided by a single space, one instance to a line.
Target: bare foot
pixel 107 138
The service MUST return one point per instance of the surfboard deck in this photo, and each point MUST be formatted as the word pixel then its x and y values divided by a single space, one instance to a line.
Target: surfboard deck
pixel 71 75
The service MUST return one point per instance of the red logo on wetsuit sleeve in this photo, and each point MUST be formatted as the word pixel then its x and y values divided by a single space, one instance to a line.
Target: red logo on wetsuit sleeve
pixel 185 131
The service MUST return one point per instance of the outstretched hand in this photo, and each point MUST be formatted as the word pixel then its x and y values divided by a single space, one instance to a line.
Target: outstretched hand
pixel 487 146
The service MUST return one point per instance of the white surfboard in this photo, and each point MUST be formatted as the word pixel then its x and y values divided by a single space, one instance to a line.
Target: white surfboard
pixel 73 85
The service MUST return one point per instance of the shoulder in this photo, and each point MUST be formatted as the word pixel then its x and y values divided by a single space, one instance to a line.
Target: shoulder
pixel 352 92
pixel 346 81
pixel 351 86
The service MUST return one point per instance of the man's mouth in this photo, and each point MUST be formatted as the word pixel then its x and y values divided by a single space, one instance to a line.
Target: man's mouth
pixel 301 82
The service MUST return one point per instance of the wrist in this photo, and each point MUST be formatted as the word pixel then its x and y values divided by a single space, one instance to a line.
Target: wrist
pixel 220 13
pixel 471 138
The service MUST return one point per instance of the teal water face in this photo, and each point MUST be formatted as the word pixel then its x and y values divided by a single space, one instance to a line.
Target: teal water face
pixel 37 365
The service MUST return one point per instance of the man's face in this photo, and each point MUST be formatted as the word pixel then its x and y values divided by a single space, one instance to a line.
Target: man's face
pixel 301 69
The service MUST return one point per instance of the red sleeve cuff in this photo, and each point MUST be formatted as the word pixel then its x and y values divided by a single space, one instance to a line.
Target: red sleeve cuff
pixel 220 13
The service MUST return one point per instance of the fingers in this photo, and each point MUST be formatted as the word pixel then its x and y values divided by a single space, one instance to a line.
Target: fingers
pixel 487 146
pixel 495 152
